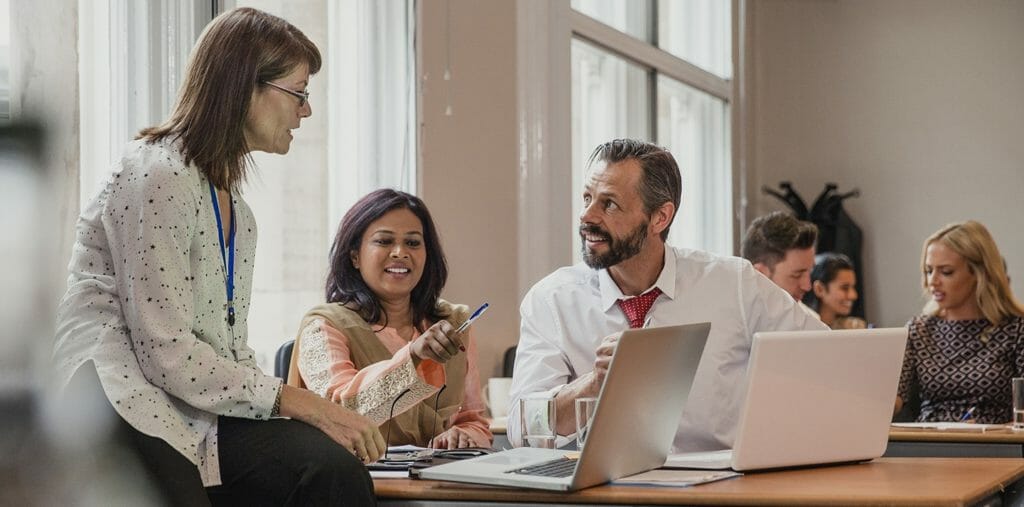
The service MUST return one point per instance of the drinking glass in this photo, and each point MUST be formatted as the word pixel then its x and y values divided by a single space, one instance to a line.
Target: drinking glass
pixel 584 416
pixel 1018 403
pixel 537 415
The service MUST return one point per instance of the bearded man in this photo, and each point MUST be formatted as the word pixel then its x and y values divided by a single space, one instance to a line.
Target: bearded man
pixel 631 278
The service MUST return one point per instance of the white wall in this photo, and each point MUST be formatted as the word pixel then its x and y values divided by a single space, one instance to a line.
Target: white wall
pixel 918 103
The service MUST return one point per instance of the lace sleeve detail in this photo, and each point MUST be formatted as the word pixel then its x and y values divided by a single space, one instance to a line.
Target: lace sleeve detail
pixel 374 401
pixel 314 361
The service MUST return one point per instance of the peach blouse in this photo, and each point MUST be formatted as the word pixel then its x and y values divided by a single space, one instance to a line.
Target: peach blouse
pixel 327 369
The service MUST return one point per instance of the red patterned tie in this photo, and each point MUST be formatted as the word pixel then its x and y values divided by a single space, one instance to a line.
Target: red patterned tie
pixel 636 308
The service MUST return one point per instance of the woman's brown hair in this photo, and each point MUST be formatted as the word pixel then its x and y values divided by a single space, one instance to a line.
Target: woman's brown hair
pixel 237 51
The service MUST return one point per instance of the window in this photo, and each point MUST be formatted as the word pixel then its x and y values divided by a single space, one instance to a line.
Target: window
pixel 5 62
pixel 122 90
pixel 670 86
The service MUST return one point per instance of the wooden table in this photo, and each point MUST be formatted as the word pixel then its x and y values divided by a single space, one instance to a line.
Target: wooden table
pixel 885 481
pixel 919 442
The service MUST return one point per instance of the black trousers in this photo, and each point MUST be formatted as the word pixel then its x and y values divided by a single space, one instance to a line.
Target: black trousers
pixel 276 462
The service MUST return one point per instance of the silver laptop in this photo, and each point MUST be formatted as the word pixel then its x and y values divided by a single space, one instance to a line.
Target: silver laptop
pixel 813 397
pixel 634 422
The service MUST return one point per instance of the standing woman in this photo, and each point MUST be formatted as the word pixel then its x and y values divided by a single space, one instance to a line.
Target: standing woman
pixel 965 348
pixel 160 286
pixel 833 291
pixel 384 343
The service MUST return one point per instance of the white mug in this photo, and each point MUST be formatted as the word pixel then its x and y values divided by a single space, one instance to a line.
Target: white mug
pixel 496 396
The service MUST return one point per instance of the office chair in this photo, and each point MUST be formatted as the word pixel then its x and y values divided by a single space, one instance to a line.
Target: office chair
pixel 509 362
pixel 283 359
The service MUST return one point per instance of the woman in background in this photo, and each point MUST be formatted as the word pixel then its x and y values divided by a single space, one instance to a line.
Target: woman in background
pixel 384 343
pixel 160 283
pixel 833 291
pixel 965 348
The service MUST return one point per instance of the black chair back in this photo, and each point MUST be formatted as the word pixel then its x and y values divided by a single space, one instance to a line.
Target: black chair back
pixel 509 363
pixel 283 359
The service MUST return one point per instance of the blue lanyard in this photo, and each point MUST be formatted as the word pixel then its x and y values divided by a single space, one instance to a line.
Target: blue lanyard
pixel 227 258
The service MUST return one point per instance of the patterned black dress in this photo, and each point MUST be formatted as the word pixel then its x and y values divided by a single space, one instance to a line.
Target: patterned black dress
pixel 948 368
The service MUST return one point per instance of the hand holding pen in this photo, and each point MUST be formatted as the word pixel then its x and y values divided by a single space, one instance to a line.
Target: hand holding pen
pixel 442 341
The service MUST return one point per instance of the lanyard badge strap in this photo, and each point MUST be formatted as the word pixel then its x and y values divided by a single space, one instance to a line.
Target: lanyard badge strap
pixel 227 255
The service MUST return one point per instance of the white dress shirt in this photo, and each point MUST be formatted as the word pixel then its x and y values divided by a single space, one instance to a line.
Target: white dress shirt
pixel 146 302
pixel 565 316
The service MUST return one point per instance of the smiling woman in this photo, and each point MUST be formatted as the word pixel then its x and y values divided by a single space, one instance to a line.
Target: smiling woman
pixel 385 344
pixel 833 291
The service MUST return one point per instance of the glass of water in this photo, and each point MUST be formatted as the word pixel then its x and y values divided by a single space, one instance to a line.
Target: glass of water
pixel 584 415
pixel 1018 403
pixel 537 415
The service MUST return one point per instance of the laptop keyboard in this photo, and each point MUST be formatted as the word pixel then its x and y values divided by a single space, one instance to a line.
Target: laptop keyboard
pixel 561 467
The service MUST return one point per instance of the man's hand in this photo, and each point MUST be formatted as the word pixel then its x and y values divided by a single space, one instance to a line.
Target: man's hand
pixel 456 438
pixel 438 343
pixel 356 433
pixel 604 359
pixel 587 385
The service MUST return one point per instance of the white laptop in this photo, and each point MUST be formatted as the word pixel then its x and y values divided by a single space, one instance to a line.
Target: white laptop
pixel 813 397
pixel 635 420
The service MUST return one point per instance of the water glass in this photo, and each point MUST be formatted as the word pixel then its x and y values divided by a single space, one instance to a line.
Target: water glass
pixel 584 416
pixel 537 415
pixel 1018 403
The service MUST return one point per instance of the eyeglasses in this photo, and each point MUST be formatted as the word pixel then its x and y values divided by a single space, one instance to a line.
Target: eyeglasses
pixel 303 96
pixel 409 458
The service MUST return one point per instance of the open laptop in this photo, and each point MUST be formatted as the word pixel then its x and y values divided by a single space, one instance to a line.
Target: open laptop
pixel 635 420
pixel 813 397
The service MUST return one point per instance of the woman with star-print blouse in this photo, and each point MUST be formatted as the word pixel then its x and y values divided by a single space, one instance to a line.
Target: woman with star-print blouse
pixel 160 283
pixel 963 351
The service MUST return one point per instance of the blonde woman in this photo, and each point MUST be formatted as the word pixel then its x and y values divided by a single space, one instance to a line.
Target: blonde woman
pixel 964 349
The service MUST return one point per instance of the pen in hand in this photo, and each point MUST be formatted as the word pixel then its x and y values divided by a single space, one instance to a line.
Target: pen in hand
pixel 476 315
pixel 967 415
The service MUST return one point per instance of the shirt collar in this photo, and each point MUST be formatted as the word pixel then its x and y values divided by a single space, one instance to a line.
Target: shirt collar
pixel 610 292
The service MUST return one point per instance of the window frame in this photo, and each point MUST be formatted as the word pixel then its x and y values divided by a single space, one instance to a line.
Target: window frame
pixel 658 61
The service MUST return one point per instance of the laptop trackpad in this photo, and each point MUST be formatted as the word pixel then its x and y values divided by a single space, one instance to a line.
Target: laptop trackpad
pixel 712 460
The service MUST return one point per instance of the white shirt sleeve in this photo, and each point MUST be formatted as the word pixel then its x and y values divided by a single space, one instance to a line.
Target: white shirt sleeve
pixel 541 365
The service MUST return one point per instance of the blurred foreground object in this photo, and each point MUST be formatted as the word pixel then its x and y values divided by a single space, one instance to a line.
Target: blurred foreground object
pixel 52 451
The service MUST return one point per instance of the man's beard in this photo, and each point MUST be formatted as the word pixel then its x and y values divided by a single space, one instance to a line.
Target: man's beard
pixel 619 249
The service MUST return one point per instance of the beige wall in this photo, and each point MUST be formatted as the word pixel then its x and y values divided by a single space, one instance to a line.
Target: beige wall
pixel 468 161
pixel 918 103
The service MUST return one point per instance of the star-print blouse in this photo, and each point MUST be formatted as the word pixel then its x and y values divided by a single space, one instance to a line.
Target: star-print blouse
pixel 146 302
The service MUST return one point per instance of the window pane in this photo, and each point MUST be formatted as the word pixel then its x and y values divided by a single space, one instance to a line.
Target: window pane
pixel 695 127
pixel 5 43
pixel 632 17
pixel 697 31
pixel 610 100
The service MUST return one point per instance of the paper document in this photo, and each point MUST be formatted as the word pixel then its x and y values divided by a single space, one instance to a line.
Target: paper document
pixel 389 474
pixel 950 426
pixel 674 478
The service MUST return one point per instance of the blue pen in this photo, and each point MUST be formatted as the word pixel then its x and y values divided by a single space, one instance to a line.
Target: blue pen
pixel 476 315
pixel 967 415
